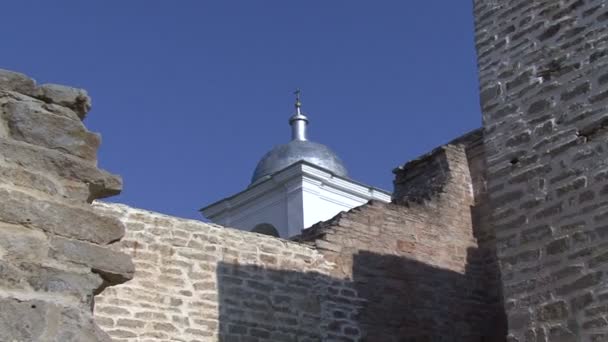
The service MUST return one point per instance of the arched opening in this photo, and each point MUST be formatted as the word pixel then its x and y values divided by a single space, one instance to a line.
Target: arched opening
pixel 266 229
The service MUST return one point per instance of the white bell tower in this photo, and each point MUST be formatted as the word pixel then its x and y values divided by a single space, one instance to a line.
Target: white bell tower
pixel 294 186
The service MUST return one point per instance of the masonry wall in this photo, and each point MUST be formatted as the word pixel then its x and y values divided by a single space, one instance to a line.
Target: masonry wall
pixel 421 268
pixel 543 70
pixel 417 269
pixel 201 282
pixel 54 249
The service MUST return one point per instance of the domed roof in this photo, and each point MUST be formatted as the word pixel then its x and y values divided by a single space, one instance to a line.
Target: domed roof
pixel 298 149
pixel 282 156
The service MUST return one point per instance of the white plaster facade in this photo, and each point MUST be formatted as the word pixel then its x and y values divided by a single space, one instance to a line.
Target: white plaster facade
pixel 292 199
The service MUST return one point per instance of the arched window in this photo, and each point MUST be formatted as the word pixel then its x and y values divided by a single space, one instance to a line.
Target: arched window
pixel 266 229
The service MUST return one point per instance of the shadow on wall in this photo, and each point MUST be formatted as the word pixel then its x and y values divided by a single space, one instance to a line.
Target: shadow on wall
pixel 272 305
pixel 389 299
pixel 407 300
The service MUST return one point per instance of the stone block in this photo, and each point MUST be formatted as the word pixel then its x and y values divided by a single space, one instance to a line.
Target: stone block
pixel 14 81
pixel 79 285
pixel 113 266
pixel 61 111
pixel 11 277
pixel 23 178
pixel 22 243
pixel 76 99
pixel 100 183
pixel 28 121
pixel 553 311
pixel 35 320
pixel 72 221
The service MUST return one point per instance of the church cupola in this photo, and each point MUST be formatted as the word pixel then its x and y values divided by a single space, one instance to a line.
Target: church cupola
pixel 293 186
pixel 298 149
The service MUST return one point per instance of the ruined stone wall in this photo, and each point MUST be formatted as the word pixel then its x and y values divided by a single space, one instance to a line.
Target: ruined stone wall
pixel 54 253
pixel 416 269
pixel 422 271
pixel 543 70
pixel 202 282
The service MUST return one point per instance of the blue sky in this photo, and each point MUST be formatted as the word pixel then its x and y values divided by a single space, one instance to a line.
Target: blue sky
pixel 189 95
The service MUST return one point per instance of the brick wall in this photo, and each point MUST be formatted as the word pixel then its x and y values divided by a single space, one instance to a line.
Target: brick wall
pixel 201 282
pixel 412 270
pixel 421 269
pixel 543 70
pixel 54 253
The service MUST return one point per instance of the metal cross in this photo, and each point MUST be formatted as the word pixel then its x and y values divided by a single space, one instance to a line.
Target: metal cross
pixel 298 92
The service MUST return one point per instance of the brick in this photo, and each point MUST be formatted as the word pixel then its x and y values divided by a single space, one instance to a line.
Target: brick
pixel 553 311
pixel 581 283
pixel 560 187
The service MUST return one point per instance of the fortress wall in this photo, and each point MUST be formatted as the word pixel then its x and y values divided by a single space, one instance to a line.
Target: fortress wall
pixel 421 269
pixel 54 249
pixel 413 269
pixel 202 282
pixel 543 71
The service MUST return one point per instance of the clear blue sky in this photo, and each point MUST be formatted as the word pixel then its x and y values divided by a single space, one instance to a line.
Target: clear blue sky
pixel 188 95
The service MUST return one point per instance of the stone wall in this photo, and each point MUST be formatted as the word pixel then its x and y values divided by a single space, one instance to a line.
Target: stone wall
pixel 54 253
pixel 543 70
pixel 417 269
pixel 202 282
pixel 421 269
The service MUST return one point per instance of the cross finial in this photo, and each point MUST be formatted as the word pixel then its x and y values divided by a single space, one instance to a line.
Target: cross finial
pixel 298 121
pixel 298 93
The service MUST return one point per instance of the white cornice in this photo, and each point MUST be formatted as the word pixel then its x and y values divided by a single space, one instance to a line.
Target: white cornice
pixel 308 173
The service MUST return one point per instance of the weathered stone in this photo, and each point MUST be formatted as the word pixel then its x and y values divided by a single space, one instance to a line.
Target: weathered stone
pixel 46 290
pixel 76 99
pixel 539 106
pixel 581 302
pixel 33 180
pixel 61 111
pixel 22 320
pixel 564 44
pixel 558 246
pixel 113 266
pixel 21 243
pixel 576 91
pixel 61 282
pixel 11 277
pixel 78 222
pixel 490 94
pixel 14 81
pixel 28 121
pixel 553 311
pixel 35 320
pixel 100 183
pixel 561 334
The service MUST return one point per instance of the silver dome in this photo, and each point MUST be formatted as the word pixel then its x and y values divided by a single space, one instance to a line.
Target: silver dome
pixel 282 156
pixel 298 149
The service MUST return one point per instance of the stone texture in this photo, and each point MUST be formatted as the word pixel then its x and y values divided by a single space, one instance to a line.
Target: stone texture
pixel 542 62
pixel 200 282
pixel 54 253
pixel 76 99
pixel 36 320
pixel 73 175
pixel 17 82
pixel 430 251
pixel 28 120
pixel 419 269
pixel 113 266
pixel 72 220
